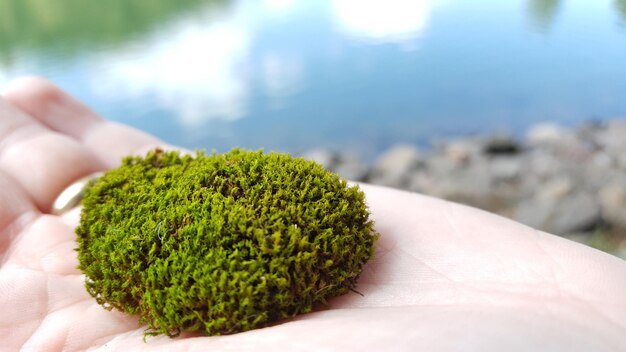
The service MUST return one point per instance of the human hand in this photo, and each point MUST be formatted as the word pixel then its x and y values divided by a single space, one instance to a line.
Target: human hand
pixel 445 276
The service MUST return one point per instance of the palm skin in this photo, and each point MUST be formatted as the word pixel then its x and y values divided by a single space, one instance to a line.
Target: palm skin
pixel 445 276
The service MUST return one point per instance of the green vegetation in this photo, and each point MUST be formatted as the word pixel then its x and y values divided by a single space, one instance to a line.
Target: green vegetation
pixel 67 27
pixel 221 243
pixel 620 7
pixel 543 12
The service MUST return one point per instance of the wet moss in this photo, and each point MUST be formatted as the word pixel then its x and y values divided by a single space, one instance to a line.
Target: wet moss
pixel 221 243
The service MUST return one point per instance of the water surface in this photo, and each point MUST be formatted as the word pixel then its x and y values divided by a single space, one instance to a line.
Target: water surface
pixel 354 75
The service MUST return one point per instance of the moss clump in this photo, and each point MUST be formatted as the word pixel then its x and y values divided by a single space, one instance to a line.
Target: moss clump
pixel 221 243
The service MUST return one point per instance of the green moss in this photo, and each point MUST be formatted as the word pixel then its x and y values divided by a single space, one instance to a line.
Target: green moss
pixel 221 243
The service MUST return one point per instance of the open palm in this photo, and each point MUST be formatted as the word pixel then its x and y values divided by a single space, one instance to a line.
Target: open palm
pixel 445 276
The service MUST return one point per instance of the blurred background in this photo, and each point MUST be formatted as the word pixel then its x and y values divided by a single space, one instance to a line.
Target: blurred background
pixel 513 106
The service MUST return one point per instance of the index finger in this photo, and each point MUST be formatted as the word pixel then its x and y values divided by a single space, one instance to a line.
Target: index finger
pixel 60 112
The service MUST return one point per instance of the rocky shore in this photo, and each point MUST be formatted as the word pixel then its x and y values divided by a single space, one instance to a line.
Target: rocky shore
pixel 567 181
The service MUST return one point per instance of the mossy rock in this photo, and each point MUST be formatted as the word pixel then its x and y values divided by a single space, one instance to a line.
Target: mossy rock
pixel 221 243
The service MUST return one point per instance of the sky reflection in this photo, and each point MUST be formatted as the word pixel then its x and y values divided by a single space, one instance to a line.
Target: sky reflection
pixel 382 21
pixel 201 67
pixel 194 67
pixel 295 74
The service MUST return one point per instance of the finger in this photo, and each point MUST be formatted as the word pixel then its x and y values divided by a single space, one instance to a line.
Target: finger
pixel 38 160
pixel 60 112
pixel 16 211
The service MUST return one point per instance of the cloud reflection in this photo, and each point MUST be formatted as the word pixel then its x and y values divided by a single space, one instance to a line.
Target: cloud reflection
pixel 202 69
pixel 282 75
pixel 196 71
pixel 383 21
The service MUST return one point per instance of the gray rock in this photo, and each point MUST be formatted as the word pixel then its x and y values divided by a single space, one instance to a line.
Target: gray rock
pixel 349 166
pixel 613 201
pixel 469 185
pixel 533 212
pixel 439 164
pixel 560 213
pixel 544 165
pixel 547 134
pixel 505 168
pixel 575 213
pixel 555 189
pixel 620 160
pixel 395 167
pixel 422 182
pixel 462 151
pixel 613 138
pixel 328 159
pixel 501 144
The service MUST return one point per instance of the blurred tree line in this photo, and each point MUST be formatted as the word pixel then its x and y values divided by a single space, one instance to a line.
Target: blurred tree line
pixel 544 12
pixel 67 26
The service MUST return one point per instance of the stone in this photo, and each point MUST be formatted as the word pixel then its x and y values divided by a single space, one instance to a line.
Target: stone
pixel 555 189
pixel 422 182
pixel 613 202
pixel 505 168
pixel 543 164
pixel 395 166
pixel 561 215
pixel 462 151
pixel 501 144
pixel 328 159
pixel 575 213
pixel 471 186
pixel 613 139
pixel 349 166
pixel 546 134
pixel 533 212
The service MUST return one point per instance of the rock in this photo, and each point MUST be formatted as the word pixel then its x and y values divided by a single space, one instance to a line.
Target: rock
pixel 544 165
pixel 502 144
pixel 533 212
pixel 587 132
pixel 421 182
pixel 613 202
pixel 442 165
pixel 505 169
pixel 560 213
pixel 349 166
pixel 462 151
pixel 324 157
pixel 547 134
pixel 394 168
pixel 561 180
pixel 575 213
pixel 555 189
pixel 620 160
pixel 613 140
pixel 470 185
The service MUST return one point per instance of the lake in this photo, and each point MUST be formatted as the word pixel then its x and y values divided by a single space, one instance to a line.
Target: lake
pixel 349 75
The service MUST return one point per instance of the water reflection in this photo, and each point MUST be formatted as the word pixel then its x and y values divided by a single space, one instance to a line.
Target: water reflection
pixel 282 76
pixel 195 68
pixel 203 68
pixel 285 74
pixel 543 13
pixel 383 21
pixel 620 7
pixel 64 28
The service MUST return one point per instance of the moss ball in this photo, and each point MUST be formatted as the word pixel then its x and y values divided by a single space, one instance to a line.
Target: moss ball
pixel 221 243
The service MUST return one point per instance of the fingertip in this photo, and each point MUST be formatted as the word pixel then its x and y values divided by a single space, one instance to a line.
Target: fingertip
pixel 33 95
pixel 27 85
pixel 50 105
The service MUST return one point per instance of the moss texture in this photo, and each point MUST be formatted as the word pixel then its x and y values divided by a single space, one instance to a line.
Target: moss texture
pixel 221 243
